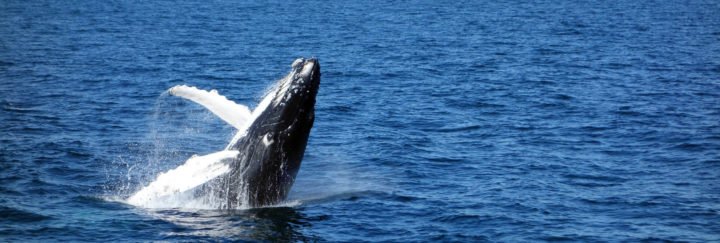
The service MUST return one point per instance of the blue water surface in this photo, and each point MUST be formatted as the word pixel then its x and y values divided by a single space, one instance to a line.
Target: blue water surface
pixel 436 121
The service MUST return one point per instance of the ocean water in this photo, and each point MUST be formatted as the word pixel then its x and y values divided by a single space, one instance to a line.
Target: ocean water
pixel 435 121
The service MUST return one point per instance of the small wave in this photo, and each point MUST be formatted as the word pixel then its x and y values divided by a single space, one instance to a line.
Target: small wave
pixel 548 51
pixel 208 77
pixel 460 218
pixel 563 97
pixel 690 147
pixel 591 184
pixel 445 159
pixel 78 154
pixel 551 105
pixel 18 108
pixel 627 111
pixel 9 192
pixel 6 64
pixel 591 128
pixel 481 104
pixel 603 202
pixel 616 66
pixel 14 215
pixel 602 178
pixel 569 237
pixel 345 196
pixel 458 128
pixel 65 170
pixel 634 203
pixel 341 108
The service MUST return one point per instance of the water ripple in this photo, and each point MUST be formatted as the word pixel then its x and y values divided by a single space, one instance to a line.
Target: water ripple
pixel 473 121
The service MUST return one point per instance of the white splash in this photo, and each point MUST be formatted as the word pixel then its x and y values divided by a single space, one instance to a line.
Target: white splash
pixel 174 188
pixel 196 171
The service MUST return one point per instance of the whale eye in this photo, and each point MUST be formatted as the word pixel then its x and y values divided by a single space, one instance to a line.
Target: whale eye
pixel 267 139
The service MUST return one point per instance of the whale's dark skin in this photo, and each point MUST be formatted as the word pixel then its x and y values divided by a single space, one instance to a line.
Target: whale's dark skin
pixel 271 151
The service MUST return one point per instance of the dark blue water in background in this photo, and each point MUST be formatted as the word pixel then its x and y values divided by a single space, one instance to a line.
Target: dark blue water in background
pixel 553 120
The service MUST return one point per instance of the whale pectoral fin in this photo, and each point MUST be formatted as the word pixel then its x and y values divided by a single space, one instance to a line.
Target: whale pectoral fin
pixel 196 171
pixel 229 111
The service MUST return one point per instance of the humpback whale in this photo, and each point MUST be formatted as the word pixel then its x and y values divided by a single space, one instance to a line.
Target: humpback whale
pixel 273 145
pixel 259 165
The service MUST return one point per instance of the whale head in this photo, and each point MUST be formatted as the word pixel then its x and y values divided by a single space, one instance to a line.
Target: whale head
pixel 294 101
